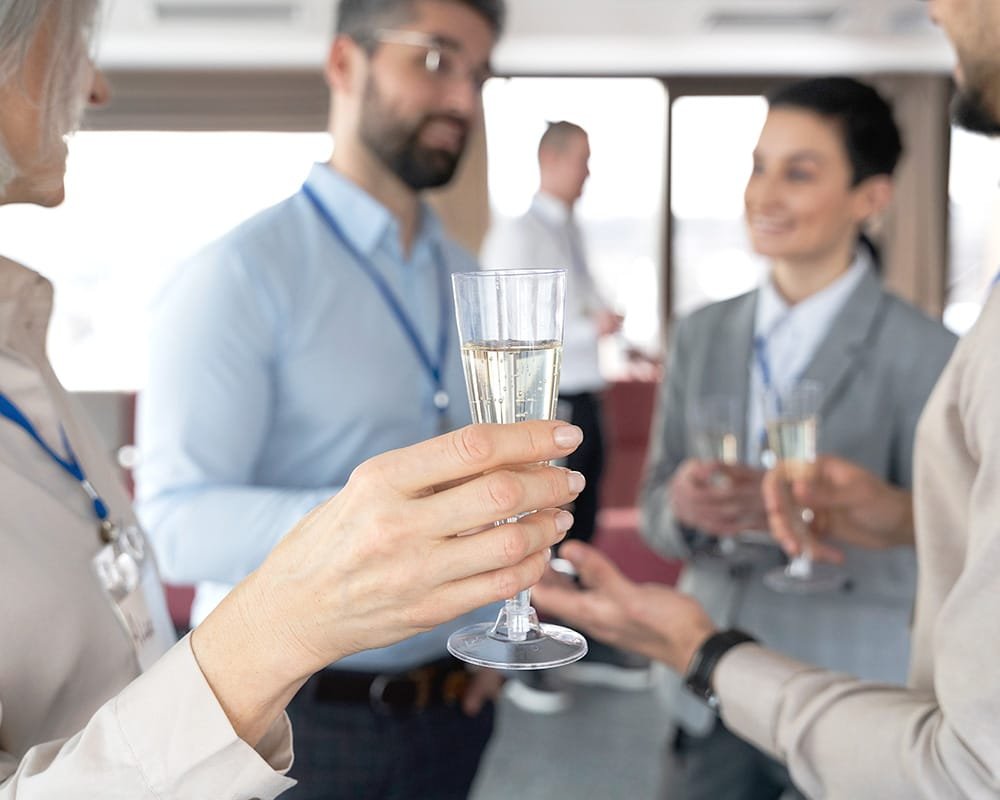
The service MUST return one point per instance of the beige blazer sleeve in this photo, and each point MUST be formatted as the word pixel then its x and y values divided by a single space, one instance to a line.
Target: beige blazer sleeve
pixel 164 737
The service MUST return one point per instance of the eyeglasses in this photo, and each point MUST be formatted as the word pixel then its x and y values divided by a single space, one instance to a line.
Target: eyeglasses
pixel 441 60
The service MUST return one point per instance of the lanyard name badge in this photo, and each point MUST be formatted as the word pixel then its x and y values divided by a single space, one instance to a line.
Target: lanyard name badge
pixel 433 368
pixel 124 572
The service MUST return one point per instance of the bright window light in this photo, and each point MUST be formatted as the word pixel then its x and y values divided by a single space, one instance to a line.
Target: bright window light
pixel 621 210
pixel 138 203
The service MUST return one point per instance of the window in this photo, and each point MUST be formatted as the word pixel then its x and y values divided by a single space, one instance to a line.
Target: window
pixel 138 203
pixel 974 226
pixel 712 141
pixel 621 210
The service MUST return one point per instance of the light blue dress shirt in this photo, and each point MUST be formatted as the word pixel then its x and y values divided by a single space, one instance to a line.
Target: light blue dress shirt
pixel 276 367
pixel 791 335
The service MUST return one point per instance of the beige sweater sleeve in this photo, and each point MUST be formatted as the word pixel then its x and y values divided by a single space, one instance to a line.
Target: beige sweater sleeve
pixel 847 739
pixel 164 737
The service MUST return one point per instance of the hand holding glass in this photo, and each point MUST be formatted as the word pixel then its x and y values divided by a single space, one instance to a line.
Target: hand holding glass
pixel 792 419
pixel 510 325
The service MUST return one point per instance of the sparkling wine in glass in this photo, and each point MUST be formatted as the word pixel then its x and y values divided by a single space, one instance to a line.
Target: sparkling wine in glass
pixel 715 435
pixel 792 419
pixel 716 426
pixel 510 328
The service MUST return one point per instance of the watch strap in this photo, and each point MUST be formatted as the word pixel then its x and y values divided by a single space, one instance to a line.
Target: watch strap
pixel 698 678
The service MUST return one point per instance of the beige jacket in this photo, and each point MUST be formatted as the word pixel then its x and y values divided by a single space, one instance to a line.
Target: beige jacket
pixel 76 719
pixel 846 739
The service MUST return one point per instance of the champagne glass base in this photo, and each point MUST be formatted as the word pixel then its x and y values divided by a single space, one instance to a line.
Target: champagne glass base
pixel 821 578
pixel 544 647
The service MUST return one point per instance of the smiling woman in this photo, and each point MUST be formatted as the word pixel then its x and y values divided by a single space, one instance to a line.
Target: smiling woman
pixel 822 166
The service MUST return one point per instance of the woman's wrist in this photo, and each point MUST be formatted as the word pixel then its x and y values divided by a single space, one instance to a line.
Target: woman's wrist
pixel 251 671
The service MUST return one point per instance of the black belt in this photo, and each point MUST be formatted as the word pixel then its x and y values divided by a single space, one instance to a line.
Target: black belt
pixel 440 683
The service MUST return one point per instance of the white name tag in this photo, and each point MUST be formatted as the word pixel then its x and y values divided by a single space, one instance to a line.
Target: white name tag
pixel 129 579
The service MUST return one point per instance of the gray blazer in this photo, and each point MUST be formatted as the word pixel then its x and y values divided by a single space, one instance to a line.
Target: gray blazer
pixel 877 366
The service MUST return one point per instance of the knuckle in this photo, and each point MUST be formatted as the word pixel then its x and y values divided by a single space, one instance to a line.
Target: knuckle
pixel 509 582
pixel 366 472
pixel 516 544
pixel 557 481
pixel 504 492
pixel 473 445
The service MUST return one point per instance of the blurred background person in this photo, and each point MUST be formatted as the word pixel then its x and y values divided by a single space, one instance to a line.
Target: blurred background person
pixel 96 700
pixel 822 168
pixel 315 335
pixel 547 236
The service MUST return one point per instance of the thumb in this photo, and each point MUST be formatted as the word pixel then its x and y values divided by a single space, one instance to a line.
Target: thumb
pixel 595 570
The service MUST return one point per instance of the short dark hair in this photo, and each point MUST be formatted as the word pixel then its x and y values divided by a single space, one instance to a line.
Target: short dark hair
pixel 359 19
pixel 871 137
pixel 558 134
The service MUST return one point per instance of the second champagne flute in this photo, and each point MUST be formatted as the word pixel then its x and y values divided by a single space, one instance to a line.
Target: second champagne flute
pixel 510 325
pixel 792 419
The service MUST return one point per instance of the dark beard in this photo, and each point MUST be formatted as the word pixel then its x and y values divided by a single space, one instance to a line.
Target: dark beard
pixel 396 145
pixel 970 111
pixel 421 167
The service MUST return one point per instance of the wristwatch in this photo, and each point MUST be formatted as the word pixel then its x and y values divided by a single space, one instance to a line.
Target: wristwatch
pixel 698 678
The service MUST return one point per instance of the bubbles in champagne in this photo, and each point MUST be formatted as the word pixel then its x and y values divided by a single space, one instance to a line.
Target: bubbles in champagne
pixel 512 381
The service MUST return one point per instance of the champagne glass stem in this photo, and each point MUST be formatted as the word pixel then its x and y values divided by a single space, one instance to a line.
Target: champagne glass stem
pixel 801 566
pixel 519 615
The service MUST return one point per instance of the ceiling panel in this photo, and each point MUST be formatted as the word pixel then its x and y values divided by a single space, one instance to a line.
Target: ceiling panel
pixel 554 36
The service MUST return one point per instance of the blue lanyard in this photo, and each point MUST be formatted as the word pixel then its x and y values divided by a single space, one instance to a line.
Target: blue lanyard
pixel 69 464
pixel 433 369
pixel 760 354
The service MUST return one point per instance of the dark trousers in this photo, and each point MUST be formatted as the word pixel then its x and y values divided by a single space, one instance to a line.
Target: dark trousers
pixel 721 766
pixel 588 459
pixel 348 751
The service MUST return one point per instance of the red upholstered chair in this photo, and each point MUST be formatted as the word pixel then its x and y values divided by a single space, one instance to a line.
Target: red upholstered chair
pixel 628 413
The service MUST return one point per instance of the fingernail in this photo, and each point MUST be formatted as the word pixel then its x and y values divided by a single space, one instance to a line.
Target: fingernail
pixel 567 435
pixel 576 481
pixel 564 521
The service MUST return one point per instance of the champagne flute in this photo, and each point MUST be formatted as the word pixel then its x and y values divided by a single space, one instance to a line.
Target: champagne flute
pixel 792 419
pixel 510 325
pixel 715 429
pixel 716 436
pixel 715 426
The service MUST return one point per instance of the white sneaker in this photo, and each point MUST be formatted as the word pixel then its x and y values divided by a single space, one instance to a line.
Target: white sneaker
pixel 538 693
pixel 612 668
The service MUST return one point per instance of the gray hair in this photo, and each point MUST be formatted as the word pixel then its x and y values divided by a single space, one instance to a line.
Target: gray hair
pixel 63 98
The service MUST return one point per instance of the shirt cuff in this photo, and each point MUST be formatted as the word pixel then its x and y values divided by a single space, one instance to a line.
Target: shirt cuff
pixel 184 744
pixel 749 683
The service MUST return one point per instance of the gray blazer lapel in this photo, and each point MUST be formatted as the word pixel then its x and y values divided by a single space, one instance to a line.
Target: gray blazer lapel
pixel 725 370
pixel 851 328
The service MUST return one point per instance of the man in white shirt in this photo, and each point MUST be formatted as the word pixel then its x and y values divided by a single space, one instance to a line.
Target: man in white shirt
pixel 547 236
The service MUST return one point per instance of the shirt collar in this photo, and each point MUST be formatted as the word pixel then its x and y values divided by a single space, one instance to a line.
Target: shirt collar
pixel 25 308
pixel 363 219
pixel 551 209
pixel 819 309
